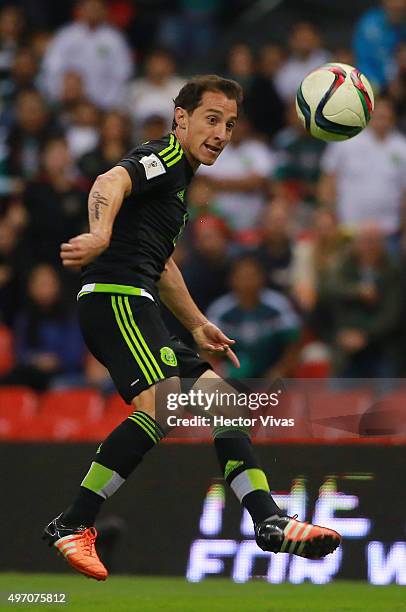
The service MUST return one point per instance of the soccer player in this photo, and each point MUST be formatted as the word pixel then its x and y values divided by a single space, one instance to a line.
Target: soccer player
pixel 136 213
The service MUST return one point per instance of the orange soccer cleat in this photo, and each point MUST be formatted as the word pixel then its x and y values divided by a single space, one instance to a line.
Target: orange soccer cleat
pixel 286 534
pixel 77 545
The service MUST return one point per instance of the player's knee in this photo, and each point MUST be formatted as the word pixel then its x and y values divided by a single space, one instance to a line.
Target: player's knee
pixel 154 401
pixel 167 400
pixel 145 401
pixel 220 397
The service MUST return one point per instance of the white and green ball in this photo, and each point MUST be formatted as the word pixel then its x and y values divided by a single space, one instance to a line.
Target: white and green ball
pixel 335 102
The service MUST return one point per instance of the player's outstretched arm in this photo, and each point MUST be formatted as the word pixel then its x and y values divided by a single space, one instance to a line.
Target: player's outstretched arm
pixel 175 295
pixel 105 199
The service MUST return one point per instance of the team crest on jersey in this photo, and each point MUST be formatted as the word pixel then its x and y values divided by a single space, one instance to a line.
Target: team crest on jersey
pixel 181 195
pixel 152 165
pixel 168 356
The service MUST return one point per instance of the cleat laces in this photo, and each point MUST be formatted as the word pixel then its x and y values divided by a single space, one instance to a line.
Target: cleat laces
pixel 89 538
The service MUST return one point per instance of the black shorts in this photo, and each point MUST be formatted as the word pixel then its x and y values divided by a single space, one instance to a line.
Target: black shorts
pixel 127 335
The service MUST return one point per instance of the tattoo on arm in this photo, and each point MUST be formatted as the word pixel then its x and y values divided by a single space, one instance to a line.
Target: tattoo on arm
pixel 97 201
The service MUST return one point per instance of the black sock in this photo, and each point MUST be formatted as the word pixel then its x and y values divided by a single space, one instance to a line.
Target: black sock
pixel 84 509
pixel 115 459
pixel 243 473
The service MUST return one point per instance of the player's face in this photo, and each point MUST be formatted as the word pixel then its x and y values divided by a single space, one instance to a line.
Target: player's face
pixel 209 127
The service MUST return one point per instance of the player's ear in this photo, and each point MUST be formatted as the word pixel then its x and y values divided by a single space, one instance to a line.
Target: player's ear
pixel 181 117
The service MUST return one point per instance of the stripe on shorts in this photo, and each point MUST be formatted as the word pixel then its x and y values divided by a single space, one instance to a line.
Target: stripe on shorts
pixel 142 340
pixel 128 341
pixel 136 343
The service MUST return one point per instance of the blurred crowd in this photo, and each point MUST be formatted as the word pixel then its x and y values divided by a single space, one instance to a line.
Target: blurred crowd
pixel 295 248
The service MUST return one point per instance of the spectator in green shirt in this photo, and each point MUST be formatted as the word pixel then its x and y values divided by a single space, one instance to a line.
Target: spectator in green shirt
pixel 262 321
pixel 298 161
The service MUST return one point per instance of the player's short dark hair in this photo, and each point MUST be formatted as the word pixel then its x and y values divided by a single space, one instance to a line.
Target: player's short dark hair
pixel 190 96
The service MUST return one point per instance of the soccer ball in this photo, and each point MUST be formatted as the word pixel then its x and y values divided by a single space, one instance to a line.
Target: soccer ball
pixel 335 102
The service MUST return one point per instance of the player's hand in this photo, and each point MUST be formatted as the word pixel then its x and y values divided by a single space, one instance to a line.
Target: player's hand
pixel 209 337
pixel 82 249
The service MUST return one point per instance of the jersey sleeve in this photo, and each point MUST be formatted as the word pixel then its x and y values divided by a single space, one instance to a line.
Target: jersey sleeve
pixel 147 170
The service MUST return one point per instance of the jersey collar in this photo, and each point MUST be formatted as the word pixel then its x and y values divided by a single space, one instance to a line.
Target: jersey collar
pixel 189 170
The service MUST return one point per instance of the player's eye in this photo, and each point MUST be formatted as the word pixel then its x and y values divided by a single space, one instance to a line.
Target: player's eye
pixel 212 120
pixel 230 125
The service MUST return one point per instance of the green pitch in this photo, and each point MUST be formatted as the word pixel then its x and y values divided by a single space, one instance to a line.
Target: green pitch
pixel 123 593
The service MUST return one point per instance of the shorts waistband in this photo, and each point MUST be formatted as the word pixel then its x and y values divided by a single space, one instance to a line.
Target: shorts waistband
pixel 112 288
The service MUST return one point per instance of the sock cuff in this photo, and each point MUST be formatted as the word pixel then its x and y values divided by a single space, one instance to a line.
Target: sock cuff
pixel 148 424
pixel 102 480
pixel 249 481
pixel 230 432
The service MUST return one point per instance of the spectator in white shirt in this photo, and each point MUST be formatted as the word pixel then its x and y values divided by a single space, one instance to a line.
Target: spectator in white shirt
pixel 240 178
pixel 365 177
pixel 94 49
pixel 153 94
pixel 306 54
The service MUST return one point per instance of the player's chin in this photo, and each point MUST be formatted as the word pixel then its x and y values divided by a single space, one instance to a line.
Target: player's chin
pixel 207 159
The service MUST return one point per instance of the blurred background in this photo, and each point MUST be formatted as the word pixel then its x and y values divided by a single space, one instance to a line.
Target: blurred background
pixel 294 247
pixel 306 240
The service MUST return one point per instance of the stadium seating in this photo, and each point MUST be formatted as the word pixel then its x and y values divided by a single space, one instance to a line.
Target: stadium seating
pixel 115 404
pixel 18 407
pixel 313 369
pixel 291 405
pixel 385 416
pixel 319 414
pixel 337 414
pixel 6 349
pixel 66 415
pixel 116 410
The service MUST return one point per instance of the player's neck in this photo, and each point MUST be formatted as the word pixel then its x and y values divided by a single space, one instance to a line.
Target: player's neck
pixel 194 163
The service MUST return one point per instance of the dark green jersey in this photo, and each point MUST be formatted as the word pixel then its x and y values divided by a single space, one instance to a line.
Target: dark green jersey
pixel 150 219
